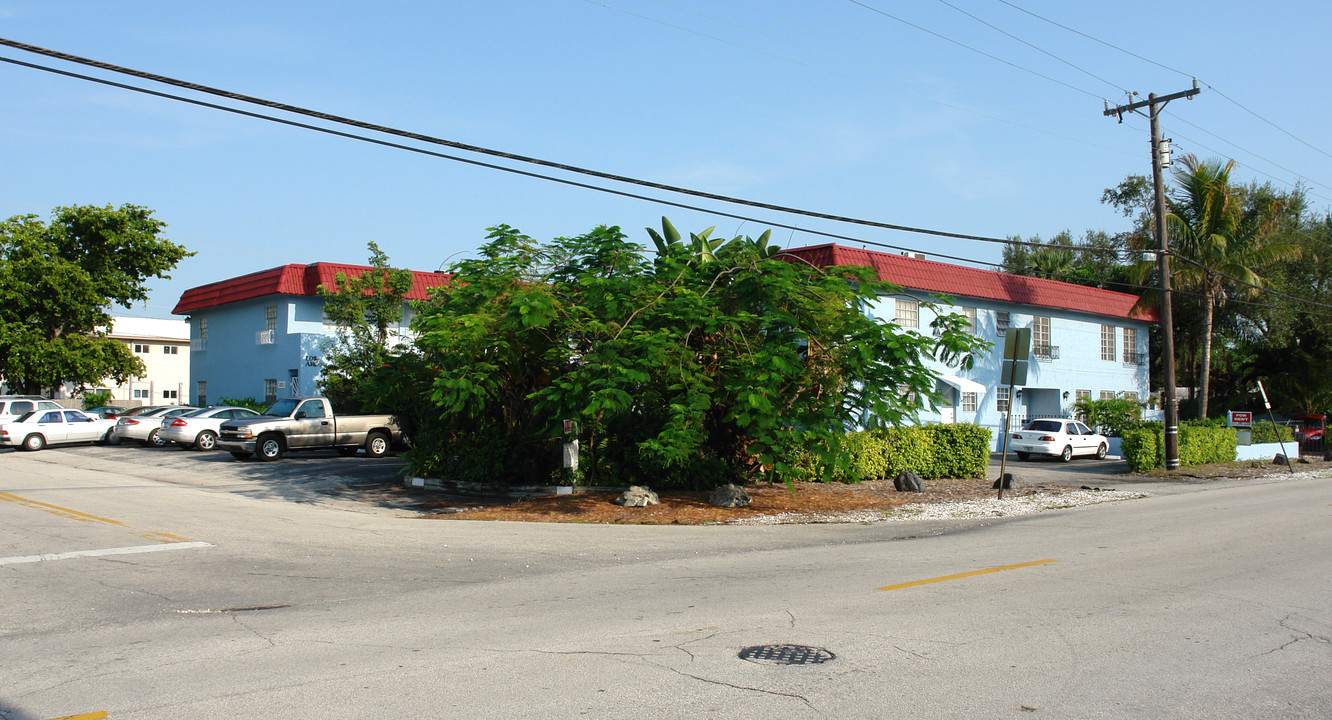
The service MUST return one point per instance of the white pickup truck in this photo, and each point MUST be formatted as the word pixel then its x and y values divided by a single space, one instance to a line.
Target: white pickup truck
pixel 307 423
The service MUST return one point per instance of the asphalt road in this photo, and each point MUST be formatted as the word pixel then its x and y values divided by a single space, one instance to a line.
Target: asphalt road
pixel 163 584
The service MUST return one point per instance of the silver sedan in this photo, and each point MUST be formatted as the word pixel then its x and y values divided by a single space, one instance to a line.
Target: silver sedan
pixel 198 429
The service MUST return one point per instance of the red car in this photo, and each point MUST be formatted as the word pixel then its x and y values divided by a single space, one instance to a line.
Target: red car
pixel 1311 429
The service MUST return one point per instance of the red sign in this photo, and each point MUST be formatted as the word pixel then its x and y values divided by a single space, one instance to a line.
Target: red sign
pixel 1241 418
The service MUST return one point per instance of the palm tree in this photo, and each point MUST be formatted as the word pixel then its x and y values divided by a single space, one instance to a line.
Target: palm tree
pixel 1217 241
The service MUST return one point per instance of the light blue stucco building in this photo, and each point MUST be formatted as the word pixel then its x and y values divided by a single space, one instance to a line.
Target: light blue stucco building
pixel 264 335
pixel 1086 342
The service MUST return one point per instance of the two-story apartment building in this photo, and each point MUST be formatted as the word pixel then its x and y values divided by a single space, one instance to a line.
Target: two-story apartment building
pixel 264 335
pixel 1086 342
pixel 164 347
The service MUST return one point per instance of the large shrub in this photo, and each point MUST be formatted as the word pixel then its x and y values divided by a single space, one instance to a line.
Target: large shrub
pixel 1110 416
pixel 1199 443
pixel 931 451
pixel 1266 431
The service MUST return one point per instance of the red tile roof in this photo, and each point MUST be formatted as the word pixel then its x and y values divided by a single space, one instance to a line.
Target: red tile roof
pixel 289 280
pixel 960 281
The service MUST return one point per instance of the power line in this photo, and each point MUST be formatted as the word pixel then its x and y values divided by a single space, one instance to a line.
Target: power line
pixel 1246 283
pixel 1245 150
pixel 1096 39
pixel 448 143
pixel 998 29
pixel 945 38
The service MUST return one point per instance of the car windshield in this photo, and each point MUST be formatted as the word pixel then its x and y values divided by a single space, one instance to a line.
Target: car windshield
pixel 192 413
pixel 146 409
pixel 1045 425
pixel 282 408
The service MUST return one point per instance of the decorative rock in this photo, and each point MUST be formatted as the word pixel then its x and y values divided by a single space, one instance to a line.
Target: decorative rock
pixel 637 496
pixel 1303 460
pixel 1009 482
pixel 1257 464
pixel 907 481
pixel 1279 459
pixel 730 495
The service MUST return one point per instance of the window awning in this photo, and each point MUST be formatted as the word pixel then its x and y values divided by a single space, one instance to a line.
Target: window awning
pixel 963 384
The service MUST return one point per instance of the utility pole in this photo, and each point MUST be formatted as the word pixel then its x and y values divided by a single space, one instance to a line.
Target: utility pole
pixel 1160 158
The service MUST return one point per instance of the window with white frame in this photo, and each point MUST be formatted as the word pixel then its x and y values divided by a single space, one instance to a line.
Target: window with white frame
pixel 970 312
pixel 1108 342
pixel 1001 399
pixel 202 393
pixel 1130 346
pixel 1040 337
pixel 142 348
pixel 170 394
pixel 908 313
pixel 969 402
pixel 170 350
pixel 270 317
pixel 270 391
pixel 1001 321
pixel 203 328
pixel 1081 395
pixel 138 394
pixel 1107 395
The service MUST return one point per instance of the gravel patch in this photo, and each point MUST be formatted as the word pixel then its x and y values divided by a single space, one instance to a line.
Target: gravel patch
pixel 958 510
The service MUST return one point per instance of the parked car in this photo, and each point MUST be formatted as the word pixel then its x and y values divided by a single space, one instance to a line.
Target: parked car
pixel 145 426
pixel 308 423
pixel 198 429
pixel 107 411
pixel 12 406
pixel 1057 437
pixel 39 428
pixel 1309 430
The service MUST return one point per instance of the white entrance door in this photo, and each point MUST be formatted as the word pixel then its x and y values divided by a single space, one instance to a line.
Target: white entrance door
pixel 946 415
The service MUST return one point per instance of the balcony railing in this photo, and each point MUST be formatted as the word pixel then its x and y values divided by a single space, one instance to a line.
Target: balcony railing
pixel 264 337
pixel 1135 359
pixel 1045 352
pixel 198 344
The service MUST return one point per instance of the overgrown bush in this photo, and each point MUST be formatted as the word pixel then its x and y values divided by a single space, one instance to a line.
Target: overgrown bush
pixel 245 402
pixel 97 399
pixel 931 451
pixel 1199 443
pixel 1110 416
pixel 1266 431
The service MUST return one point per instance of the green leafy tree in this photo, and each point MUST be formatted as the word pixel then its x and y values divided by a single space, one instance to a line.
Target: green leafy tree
pixel 58 283
pixel 364 308
pixel 1215 237
pixel 709 363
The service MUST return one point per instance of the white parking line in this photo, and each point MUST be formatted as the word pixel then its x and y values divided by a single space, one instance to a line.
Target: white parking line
pixel 105 551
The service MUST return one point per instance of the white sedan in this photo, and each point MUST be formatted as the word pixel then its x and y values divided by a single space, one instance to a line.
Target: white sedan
pixel 1058 438
pixel 198 429
pixel 37 429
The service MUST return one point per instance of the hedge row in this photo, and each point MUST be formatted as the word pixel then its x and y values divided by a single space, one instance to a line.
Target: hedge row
pixel 1144 445
pixel 930 451
pixel 1266 432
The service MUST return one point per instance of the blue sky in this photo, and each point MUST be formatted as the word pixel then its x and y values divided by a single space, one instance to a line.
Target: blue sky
pixel 828 106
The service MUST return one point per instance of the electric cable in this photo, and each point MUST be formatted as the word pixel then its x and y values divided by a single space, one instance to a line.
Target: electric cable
pixel 449 143
pixel 975 50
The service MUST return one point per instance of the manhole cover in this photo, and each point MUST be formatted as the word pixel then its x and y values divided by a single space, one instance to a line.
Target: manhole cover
pixel 786 654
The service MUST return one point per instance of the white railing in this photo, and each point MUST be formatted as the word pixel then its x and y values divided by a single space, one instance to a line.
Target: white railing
pixel 198 344
pixel 264 337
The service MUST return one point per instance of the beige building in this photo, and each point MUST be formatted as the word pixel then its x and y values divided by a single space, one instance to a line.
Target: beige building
pixel 164 348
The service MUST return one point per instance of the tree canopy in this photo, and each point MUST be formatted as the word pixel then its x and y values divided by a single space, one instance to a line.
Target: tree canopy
pixel 59 281
pixel 711 362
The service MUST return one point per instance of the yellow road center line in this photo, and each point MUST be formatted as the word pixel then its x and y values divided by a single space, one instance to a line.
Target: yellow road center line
pixel 85 517
pixel 99 715
pixel 959 576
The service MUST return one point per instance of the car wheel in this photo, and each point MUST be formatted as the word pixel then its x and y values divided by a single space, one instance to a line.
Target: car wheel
pixel 1023 455
pixel 106 437
pixel 241 455
pixel 1101 451
pixel 34 442
pixel 156 440
pixel 269 447
pixel 1067 454
pixel 377 445
pixel 347 451
pixel 112 438
pixel 207 440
